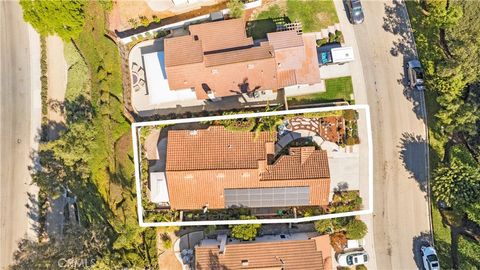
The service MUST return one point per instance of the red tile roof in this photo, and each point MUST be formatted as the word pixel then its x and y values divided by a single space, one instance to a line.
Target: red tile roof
pixel 217 57
pixel 201 164
pixel 288 254
pixel 221 35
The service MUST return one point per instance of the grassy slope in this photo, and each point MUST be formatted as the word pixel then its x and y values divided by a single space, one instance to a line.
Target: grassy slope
pixel 78 82
pixel 111 163
pixel 336 89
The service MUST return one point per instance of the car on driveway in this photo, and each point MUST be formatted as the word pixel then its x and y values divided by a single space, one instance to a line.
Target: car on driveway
pixel 355 11
pixel 415 75
pixel 352 258
pixel 429 258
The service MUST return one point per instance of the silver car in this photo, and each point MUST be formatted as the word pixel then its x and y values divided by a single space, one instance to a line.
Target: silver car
pixel 429 258
pixel 415 75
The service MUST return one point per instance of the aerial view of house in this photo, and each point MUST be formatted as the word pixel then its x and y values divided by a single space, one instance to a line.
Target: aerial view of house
pixel 218 59
pixel 277 166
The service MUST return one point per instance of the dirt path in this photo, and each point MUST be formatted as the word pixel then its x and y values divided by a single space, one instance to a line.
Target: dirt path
pixel 57 82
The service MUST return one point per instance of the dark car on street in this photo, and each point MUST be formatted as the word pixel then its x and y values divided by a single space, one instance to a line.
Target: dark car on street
pixel 355 11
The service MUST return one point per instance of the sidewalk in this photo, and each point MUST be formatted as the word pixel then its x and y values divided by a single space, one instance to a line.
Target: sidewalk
pixel 360 92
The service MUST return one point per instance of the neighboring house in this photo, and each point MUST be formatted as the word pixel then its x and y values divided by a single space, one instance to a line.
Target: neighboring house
pixel 306 254
pixel 217 60
pixel 218 168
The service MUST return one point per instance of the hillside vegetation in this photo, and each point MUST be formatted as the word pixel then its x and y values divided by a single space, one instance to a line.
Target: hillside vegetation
pixel 93 156
pixel 447 37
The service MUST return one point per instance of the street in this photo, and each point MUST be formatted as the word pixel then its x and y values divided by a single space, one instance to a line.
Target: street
pixel 20 122
pixel 401 214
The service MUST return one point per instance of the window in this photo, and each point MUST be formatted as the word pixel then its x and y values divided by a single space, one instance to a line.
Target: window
pixel 188 176
pixel 244 262
pixel 250 66
pixel 220 175
pixel 214 71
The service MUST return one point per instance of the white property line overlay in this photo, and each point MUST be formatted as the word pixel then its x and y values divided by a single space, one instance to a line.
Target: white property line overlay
pixel 136 125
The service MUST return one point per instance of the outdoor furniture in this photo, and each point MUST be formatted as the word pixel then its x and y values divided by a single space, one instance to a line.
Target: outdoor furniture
pixel 141 82
pixel 136 88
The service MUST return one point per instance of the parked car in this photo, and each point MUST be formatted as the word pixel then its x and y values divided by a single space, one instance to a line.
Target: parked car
pixel 355 11
pixel 415 75
pixel 334 53
pixel 429 258
pixel 352 258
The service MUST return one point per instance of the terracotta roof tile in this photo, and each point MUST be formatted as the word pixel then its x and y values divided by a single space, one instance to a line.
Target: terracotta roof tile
pixel 221 35
pixel 285 39
pixel 289 254
pixel 201 164
pixel 215 148
pixel 182 50
pixel 301 163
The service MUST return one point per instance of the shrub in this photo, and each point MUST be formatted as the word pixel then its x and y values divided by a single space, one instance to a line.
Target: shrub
pixel 331 37
pixel 324 226
pixel 210 229
pixel 339 36
pixel 356 229
pixel 155 19
pixel 245 232
pixel 350 115
pixel 338 241
pixel 144 21
pixel 167 241
pixel 360 267
pixel 321 42
pixel 236 8
pixel 133 22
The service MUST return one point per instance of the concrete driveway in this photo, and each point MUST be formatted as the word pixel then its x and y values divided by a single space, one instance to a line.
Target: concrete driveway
pixel 401 212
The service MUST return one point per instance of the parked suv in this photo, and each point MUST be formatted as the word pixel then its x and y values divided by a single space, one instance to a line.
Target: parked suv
pixel 352 258
pixel 415 75
pixel 355 11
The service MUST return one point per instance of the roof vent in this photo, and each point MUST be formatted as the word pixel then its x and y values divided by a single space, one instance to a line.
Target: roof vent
pixel 244 262
pixel 250 66
pixel 195 37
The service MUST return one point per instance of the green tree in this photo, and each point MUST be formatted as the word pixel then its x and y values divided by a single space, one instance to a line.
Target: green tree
pixel 324 226
pixel 457 185
pixel 356 229
pixel 236 8
pixel 245 232
pixel 64 18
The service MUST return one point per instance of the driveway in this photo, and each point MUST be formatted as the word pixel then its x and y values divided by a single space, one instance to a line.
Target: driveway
pixel 401 212
pixel 19 124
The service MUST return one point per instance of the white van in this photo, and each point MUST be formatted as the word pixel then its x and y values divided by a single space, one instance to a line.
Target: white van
pixel 342 55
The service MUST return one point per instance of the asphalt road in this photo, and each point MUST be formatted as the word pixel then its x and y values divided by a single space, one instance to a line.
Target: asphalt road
pixel 19 94
pixel 401 215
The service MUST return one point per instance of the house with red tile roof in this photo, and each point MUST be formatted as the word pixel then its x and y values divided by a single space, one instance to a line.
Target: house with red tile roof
pixel 271 254
pixel 218 168
pixel 217 60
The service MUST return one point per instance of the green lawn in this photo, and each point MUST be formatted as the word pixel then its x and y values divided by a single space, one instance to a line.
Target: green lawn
pixel 78 82
pixel 337 89
pixel 314 15
pixel 442 238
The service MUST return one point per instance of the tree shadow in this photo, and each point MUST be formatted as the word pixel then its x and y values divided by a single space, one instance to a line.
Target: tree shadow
pixel 413 152
pixel 423 239
pixel 396 22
